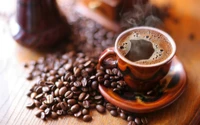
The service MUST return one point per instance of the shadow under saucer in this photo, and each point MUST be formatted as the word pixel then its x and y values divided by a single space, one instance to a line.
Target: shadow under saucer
pixel 169 89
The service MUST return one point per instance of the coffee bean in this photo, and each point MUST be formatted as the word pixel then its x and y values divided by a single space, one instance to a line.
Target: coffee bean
pixel 123 116
pixel 30 104
pixel 68 94
pixel 43 106
pixel 38 113
pixel 78 114
pixel 71 101
pixel 144 121
pixel 62 91
pixel 94 85
pixel 59 84
pixel 138 121
pixel 85 111
pixel 130 118
pixel 81 96
pixel 59 112
pixel 84 82
pixel 131 123
pixel 100 108
pixel 77 71
pixel 37 103
pixel 33 95
pixel 49 99
pixel 77 84
pixel 63 105
pixel 114 113
pixel 98 97
pixel 45 89
pixel 47 111
pixel 75 108
pixel 86 104
pixel 54 115
pixel 87 118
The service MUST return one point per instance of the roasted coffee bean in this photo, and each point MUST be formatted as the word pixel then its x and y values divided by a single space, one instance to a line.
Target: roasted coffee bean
pixel 94 85
pixel 75 108
pixel 144 121
pixel 131 123
pixel 38 113
pixel 106 83
pixel 59 112
pixel 87 97
pixel 87 118
pixel 77 84
pixel 86 104
pixel 37 103
pixel 68 94
pixel 43 106
pixel 123 116
pixel 59 84
pixel 47 111
pixel 100 108
pixel 98 97
pixel 45 89
pixel 110 107
pixel 84 82
pixel 78 114
pixel 77 71
pixel 71 101
pixel 62 91
pixel 82 96
pixel 63 105
pixel 114 113
pixel 130 118
pixel 39 96
pixel 138 121
pixel 49 99
pixel 30 105
pixel 54 115
pixel 85 111
pixel 33 95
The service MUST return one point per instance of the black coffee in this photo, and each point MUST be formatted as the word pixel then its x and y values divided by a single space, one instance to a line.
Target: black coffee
pixel 144 46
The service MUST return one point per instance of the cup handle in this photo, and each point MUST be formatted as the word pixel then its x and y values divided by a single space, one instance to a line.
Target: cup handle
pixel 108 58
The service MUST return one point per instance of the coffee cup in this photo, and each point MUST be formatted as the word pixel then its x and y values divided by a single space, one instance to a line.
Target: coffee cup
pixel 143 55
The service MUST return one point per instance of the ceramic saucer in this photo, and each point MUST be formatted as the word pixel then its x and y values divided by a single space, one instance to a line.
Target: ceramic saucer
pixel 169 89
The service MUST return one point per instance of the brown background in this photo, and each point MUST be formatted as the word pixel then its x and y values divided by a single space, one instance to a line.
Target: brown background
pixel 184 21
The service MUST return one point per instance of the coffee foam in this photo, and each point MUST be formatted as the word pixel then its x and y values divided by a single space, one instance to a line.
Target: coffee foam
pixel 162 47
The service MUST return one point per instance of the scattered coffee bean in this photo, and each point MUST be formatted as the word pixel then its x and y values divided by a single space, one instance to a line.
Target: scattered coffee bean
pixel 54 115
pixel 30 105
pixel 138 121
pixel 87 118
pixel 114 113
pixel 75 108
pixel 100 108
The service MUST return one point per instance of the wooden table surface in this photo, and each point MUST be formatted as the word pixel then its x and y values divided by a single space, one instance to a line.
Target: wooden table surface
pixel 184 27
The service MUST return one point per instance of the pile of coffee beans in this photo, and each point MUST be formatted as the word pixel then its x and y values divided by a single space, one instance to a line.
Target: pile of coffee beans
pixel 68 85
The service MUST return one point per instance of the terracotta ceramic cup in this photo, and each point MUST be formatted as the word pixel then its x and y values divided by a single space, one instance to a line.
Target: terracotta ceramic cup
pixel 140 77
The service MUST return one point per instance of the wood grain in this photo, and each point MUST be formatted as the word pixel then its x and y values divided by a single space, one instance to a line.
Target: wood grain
pixel 183 25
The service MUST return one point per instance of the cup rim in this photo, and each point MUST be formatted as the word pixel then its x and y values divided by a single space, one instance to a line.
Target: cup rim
pixel 170 39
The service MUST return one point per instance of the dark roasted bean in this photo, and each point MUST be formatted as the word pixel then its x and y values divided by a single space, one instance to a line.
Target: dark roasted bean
pixel 114 113
pixel 69 94
pixel 85 111
pixel 130 118
pixel 138 121
pixel 30 104
pixel 62 90
pixel 100 108
pixel 38 113
pixel 75 108
pixel 123 116
pixel 87 118
pixel 77 84
pixel 86 104
pixel 54 115
pixel 78 114
pixel 47 111
pixel 94 85
pixel 59 84
pixel 81 96
pixel 71 101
